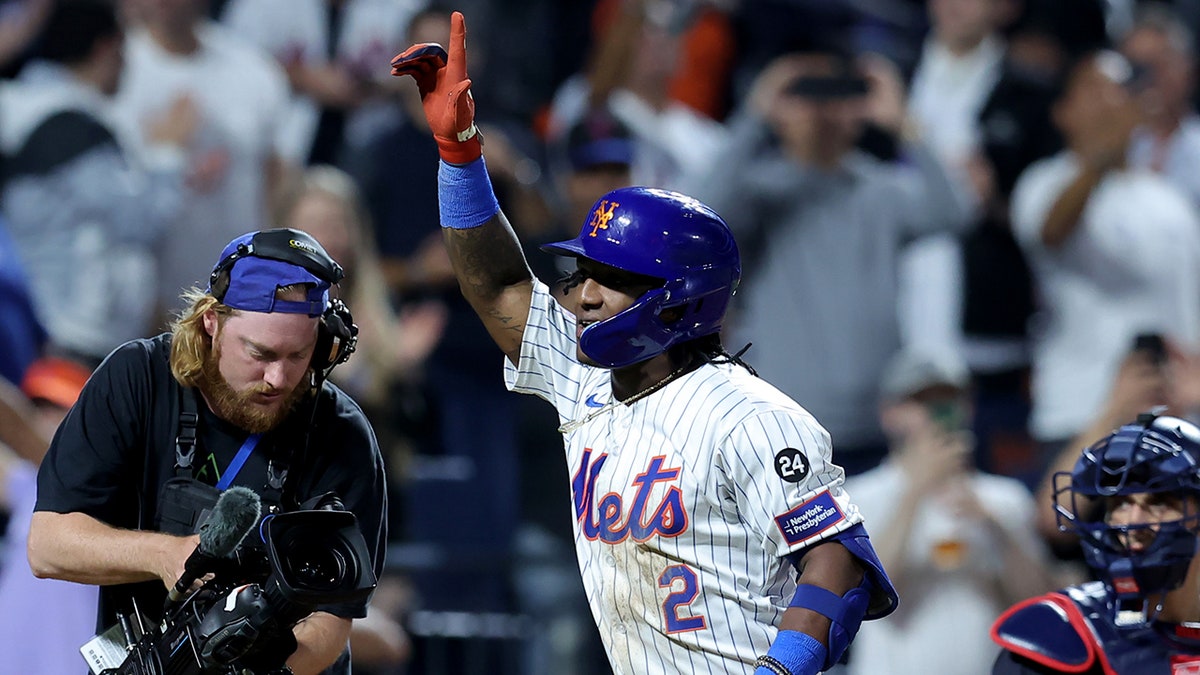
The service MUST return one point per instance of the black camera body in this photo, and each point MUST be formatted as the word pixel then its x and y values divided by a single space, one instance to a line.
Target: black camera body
pixel 240 619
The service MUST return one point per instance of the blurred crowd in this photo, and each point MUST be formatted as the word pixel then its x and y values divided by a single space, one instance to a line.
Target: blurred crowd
pixel 969 228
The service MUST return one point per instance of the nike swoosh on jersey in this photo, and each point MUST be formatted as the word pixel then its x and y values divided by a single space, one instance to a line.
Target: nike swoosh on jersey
pixel 591 402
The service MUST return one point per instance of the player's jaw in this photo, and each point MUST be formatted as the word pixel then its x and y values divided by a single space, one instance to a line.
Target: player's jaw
pixel 580 324
pixel 604 291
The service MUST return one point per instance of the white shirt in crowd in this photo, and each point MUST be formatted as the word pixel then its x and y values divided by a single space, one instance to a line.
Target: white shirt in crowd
pixel 1131 266
pixel 947 94
pixel 297 31
pixel 949 598
pixel 241 94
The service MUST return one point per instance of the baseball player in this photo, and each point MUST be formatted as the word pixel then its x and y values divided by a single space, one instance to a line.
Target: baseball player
pixel 711 528
pixel 1133 499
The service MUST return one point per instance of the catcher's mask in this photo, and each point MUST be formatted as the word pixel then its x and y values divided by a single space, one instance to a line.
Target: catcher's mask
pixel 1155 455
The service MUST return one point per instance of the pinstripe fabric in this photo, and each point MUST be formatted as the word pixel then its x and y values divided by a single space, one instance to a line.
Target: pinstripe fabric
pixel 681 517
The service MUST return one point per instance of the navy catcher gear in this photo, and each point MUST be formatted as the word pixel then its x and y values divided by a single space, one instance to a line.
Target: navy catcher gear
pixel 665 235
pixel 1153 455
pixel 1049 630
pixel 1075 630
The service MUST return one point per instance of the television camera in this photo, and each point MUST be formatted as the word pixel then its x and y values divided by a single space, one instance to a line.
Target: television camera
pixel 240 619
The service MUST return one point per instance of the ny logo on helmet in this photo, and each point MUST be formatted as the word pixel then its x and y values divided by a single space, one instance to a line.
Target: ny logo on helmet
pixel 601 216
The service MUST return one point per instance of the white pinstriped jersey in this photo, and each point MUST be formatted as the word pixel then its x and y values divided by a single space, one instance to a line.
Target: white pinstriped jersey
pixel 685 502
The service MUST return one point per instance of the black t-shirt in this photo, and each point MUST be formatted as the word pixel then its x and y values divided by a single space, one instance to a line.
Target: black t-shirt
pixel 116 449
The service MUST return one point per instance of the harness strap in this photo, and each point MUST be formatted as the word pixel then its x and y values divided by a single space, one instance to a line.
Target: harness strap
pixel 185 440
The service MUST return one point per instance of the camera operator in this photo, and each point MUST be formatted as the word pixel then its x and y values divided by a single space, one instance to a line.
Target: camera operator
pixel 234 394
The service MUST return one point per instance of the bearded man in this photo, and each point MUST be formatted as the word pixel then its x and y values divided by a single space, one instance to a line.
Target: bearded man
pixel 234 394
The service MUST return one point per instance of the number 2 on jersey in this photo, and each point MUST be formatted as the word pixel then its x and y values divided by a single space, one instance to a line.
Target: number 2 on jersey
pixel 679 599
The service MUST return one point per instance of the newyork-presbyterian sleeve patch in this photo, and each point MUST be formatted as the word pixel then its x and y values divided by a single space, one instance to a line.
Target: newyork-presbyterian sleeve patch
pixel 810 518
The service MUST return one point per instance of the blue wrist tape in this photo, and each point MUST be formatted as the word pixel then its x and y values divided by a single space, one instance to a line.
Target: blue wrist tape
pixel 465 195
pixel 798 653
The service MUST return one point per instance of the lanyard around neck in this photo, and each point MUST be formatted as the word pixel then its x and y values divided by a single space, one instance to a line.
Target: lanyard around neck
pixel 239 460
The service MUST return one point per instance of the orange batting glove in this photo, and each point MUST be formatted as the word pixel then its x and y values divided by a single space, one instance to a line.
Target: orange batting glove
pixel 445 93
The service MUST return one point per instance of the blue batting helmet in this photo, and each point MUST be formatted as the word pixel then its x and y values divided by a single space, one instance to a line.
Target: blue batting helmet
pixel 668 236
pixel 1153 455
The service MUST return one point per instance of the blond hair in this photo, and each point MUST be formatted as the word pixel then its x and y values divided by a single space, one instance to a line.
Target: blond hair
pixel 190 343
pixel 333 182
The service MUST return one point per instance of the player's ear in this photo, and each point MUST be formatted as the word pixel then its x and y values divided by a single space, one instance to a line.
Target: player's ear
pixel 211 322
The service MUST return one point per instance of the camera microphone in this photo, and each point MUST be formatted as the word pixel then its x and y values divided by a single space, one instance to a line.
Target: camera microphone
pixel 234 516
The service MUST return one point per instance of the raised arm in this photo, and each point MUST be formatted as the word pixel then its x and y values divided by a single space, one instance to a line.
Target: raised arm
pixel 487 257
pixel 494 278
pixel 1066 212
pixel 1098 132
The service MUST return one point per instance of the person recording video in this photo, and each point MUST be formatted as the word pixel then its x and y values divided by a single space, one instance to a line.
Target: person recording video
pixel 233 397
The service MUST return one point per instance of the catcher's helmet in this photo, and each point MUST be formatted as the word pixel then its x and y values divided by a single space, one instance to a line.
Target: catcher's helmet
pixel 668 236
pixel 1153 455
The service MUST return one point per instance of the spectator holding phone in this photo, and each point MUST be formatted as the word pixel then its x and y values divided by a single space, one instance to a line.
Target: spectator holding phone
pixel 1115 251
pixel 961 544
pixel 822 225
pixel 1154 372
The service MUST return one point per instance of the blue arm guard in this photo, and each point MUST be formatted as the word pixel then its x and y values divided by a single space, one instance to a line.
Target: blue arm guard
pixel 796 653
pixel 845 614
pixel 873 598
pixel 883 595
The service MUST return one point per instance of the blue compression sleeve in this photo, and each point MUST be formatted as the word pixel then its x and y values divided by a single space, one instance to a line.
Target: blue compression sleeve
pixel 465 196
pixel 793 653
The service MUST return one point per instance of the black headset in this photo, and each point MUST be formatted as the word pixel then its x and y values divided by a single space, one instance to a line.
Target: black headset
pixel 337 336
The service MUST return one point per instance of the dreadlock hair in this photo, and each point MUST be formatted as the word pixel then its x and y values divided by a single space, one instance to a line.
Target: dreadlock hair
pixel 710 349
pixel 569 281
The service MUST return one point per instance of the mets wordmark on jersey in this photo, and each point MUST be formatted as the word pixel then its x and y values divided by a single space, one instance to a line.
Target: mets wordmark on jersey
pixel 684 503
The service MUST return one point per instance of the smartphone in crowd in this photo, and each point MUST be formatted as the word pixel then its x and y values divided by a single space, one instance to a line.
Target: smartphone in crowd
pixel 1153 345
